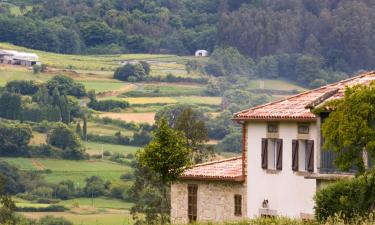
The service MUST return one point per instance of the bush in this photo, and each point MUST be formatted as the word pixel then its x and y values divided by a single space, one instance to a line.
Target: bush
pixel 51 208
pixel 50 220
pixel 107 105
pixel 66 86
pixel 132 72
pixel 24 87
pixel 350 198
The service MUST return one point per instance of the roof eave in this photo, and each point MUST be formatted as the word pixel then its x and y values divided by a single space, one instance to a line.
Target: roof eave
pixel 239 179
pixel 266 119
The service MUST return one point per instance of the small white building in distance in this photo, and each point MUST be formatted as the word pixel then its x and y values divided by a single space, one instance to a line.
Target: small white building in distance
pixel 19 58
pixel 201 53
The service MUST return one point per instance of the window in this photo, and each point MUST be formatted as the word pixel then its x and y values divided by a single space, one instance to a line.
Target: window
pixel 192 202
pixel 303 155
pixel 303 128
pixel 272 153
pixel 272 128
pixel 237 205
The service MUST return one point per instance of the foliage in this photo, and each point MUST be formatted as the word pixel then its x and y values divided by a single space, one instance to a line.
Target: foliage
pixel 231 143
pixel 14 138
pixel 348 198
pixel 349 130
pixel 23 87
pixel 7 205
pixel 95 186
pixel 192 124
pixel 147 195
pixel 132 72
pixel 66 86
pixel 108 105
pixel 167 154
pixel 50 220
pixel 63 137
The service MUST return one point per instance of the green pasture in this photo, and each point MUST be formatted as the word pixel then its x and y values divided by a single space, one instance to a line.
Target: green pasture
pixel 275 85
pixel 97 203
pixel 104 85
pixel 8 74
pixel 106 129
pixel 75 170
pixel 97 62
pixel 96 148
pixel 166 90
pixel 115 218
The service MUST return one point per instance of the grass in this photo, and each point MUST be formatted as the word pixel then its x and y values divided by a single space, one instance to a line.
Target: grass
pixel 104 86
pixel 147 117
pixel 166 90
pixel 97 62
pixel 199 100
pixel 116 218
pixel 95 148
pixel 8 73
pixel 98 203
pixel 106 129
pixel 274 85
pixel 77 171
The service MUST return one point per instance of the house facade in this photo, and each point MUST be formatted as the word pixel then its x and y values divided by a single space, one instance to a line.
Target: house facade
pixel 283 164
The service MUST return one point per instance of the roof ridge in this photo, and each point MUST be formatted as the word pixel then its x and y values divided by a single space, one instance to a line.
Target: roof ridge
pixel 308 91
pixel 217 161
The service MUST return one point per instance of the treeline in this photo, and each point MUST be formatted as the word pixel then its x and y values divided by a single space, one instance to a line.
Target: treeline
pixel 55 100
pixel 339 32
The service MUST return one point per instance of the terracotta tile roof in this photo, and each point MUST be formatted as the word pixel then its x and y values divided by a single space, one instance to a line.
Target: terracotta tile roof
pixel 223 170
pixel 298 107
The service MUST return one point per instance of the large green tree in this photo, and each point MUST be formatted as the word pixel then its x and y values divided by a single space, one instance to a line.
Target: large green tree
pixel 350 128
pixel 167 156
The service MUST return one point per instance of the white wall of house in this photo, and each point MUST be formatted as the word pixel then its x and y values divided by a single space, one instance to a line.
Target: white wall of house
pixel 288 192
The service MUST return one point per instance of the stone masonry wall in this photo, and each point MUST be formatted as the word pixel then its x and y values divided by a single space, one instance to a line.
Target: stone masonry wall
pixel 215 201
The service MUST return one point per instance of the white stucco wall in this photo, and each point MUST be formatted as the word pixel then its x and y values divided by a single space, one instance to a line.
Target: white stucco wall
pixel 288 192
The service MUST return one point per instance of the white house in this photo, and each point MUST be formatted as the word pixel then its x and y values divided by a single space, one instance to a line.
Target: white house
pixel 282 163
pixel 201 53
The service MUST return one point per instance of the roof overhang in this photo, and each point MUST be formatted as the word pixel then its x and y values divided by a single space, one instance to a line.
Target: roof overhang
pixel 240 179
pixel 274 119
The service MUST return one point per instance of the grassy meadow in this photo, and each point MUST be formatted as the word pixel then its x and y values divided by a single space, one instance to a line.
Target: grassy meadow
pixel 77 171
pixel 96 148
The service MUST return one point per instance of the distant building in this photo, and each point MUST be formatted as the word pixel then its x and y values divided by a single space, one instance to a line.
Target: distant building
pixel 201 53
pixel 18 58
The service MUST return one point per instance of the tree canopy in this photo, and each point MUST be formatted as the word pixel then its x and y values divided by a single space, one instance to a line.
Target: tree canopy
pixel 350 128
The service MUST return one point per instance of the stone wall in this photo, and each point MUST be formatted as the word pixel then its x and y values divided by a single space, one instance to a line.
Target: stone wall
pixel 215 201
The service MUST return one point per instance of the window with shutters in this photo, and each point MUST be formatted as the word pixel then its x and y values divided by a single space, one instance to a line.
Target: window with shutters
pixel 192 202
pixel 303 155
pixel 237 205
pixel 303 128
pixel 272 153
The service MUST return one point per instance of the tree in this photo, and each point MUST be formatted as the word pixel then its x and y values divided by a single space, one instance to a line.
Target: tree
pixel 84 129
pixel 193 126
pixel 95 186
pixel 79 129
pixel 349 129
pixel 7 205
pixel 14 138
pixel 167 155
pixel 63 137
pixel 134 72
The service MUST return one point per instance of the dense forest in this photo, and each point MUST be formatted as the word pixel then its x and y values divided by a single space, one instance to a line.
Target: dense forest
pixel 338 34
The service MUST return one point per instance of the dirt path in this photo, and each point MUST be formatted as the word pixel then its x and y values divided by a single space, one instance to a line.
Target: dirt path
pixel 38 165
pixel 127 88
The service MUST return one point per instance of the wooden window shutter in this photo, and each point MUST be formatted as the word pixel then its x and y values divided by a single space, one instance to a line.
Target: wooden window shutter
pixel 279 149
pixel 264 153
pixel 310 155
pixel 295 155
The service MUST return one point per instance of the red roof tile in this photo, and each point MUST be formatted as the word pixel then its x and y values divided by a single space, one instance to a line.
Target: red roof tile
pixel 298 107
pixel 223 170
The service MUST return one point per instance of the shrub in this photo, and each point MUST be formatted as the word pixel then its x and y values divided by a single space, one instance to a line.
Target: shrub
pixel 50 220
pixel 108 105
pixel 66 86
pixel 349 198
pixel 24 87
pixel 137 71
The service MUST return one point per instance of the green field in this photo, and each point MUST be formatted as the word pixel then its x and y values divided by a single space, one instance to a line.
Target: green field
pixel 96 148
pixel 116 218
pixel 77 171
pixel 102 62
pixel 275 85
pixel 104 85
pixel 166 90
pixel 97 203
